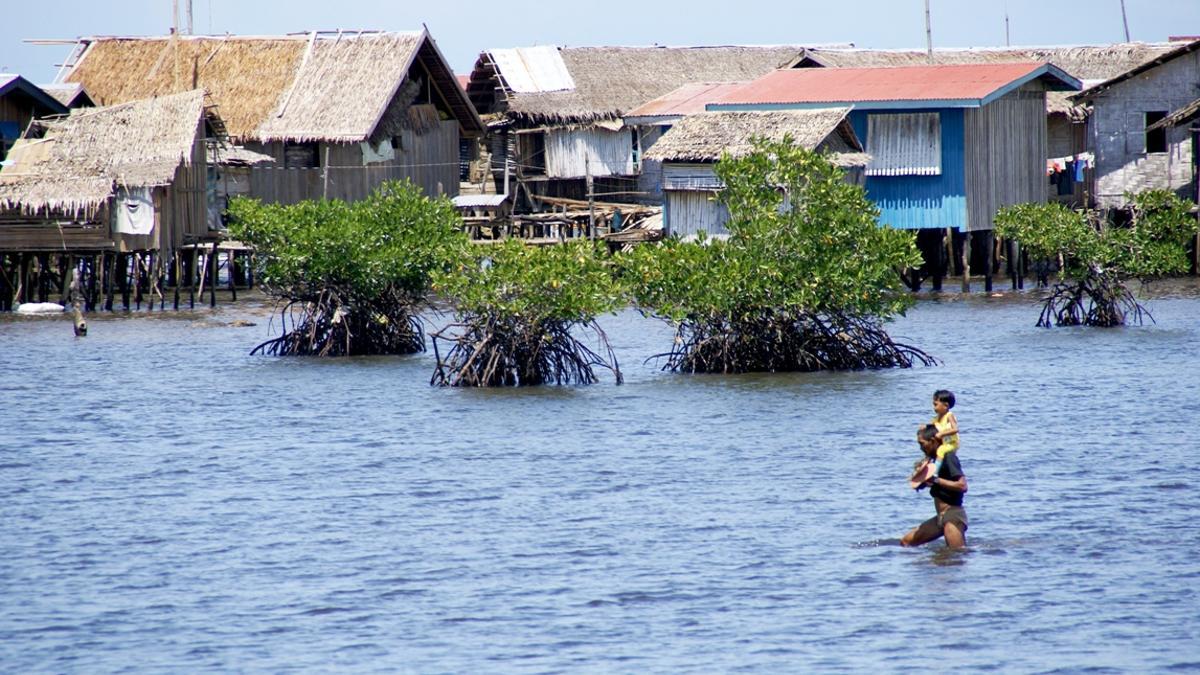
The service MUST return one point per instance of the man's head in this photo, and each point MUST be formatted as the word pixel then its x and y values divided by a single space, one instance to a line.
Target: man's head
pixel 927 438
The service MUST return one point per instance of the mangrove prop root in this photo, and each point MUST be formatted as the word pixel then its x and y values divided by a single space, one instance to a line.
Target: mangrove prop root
pixel 329 326
pixel 781 343
pixel 1098 299
pixel 489 351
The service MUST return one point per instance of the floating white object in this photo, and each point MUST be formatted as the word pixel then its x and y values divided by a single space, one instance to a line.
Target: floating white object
pixel 39 308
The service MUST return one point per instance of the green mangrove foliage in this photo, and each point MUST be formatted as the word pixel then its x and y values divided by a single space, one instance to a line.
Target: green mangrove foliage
pixel 804 282
pixel 350 277
pixel 519 310
pixel 1098 259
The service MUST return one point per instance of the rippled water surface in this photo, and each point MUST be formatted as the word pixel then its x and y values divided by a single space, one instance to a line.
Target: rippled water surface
pixel 169 503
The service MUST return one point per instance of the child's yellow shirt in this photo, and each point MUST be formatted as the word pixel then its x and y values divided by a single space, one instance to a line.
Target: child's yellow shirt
pixel 949 443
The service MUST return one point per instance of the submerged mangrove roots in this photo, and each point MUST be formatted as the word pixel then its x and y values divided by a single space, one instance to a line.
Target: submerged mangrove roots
pixel 1098 299
pixel 781 343
pixel 489 351
pixel 329 326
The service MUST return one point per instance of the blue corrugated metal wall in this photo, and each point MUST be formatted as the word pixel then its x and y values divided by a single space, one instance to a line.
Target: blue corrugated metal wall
pixel 912 202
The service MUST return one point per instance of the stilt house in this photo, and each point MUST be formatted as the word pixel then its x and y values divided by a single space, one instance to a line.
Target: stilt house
pixel 690 150
pixel 949 145
pixel 128 177
pixel 1135 131
pixel 20 102
pixel 555 114
pixel 338 112
pixel 1067 135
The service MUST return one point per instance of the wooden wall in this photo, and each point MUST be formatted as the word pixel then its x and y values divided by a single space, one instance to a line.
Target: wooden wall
pixel 427 160
pixel 1005 155
pixel 572 153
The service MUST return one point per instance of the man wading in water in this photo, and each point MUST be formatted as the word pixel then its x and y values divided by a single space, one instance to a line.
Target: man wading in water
pixel 947 489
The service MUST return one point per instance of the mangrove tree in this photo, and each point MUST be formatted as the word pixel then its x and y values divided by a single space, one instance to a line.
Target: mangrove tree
pixel 805 280
pixel 350 277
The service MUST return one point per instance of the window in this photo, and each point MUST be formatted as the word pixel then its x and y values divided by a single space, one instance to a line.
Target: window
pixel 1156 140
pixel 907 144
pixel 301 156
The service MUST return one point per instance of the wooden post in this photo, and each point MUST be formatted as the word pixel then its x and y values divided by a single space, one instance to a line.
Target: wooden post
pixel 212 266
pixel 192 277
pixel 989 252
pixel 5 284
pixel 137 280
pixel 123 278
pixel 110 270
pixel 966 262
pixel 43 285
pixel 587 168
pixel 178 278
pixel 23 281
pixel 231 257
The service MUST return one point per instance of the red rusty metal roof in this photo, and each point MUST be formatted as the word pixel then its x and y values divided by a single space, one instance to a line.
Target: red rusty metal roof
pixel 686 100
pixel 965 82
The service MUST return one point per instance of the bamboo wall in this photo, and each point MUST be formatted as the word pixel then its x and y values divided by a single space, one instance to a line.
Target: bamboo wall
pixel 1005 155
pixel 428 160
pixel 573 153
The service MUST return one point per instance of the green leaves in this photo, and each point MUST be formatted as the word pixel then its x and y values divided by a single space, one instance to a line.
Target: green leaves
pixel 391 242
pixel 802 240
pixel 570 282
pixel 1153 244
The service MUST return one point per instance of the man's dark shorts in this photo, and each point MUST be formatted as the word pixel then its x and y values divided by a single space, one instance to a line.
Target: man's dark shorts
pixel 954 514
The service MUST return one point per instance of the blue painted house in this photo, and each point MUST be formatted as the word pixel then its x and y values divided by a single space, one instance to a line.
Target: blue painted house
pixel 949 144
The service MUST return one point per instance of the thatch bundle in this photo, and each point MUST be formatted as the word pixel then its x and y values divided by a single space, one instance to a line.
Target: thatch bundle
pixel 244 76
pixel 705 136
pixel 365 70
pixel 331 87
pixel 1089 63
pixel 79 160
pixel 610 81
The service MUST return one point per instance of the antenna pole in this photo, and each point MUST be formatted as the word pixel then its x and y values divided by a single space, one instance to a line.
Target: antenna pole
pixel 929 34
pixel 189 17
pixel 1125 20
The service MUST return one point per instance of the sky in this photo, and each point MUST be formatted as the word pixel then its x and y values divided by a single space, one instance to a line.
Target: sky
pixel 464 28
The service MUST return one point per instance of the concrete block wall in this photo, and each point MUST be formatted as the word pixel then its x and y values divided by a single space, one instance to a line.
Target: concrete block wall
pixel 1117 127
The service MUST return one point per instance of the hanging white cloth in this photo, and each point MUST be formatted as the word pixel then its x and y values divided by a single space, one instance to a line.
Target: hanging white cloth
pixel 134 211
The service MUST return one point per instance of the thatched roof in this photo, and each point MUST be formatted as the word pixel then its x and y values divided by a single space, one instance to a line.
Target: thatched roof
pixel 1089 63
pixel 79 160
pixel 705 136
pixel 314 87
pixel 1177 50
pixel 610 81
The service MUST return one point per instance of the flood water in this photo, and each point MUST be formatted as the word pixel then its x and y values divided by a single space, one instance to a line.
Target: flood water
pixel 169 503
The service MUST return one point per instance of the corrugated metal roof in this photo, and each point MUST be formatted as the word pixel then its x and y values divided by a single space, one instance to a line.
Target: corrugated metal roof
pixel 478 200
pixel 528 70
pixel 686 100
pixel 967 83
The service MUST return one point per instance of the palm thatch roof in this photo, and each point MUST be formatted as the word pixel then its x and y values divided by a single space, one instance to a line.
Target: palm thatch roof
pixel 333 87
pixel 607 82
pixel 1177 50
pixel 704 137
pixel 1089 63
pixel 80 159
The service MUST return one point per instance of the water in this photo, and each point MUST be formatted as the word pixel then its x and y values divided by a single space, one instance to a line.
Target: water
pixel 169 503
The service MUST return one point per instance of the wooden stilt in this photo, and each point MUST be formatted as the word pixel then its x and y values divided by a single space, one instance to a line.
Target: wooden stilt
pixel 212 286
pixel 988 250
pixel 137 280
pixel 23 280
pixel 966 262
pixel 192 277
pixel 175 264
pixel 110 270
pixel 232 269
pixel 123 279
pixel 5 283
